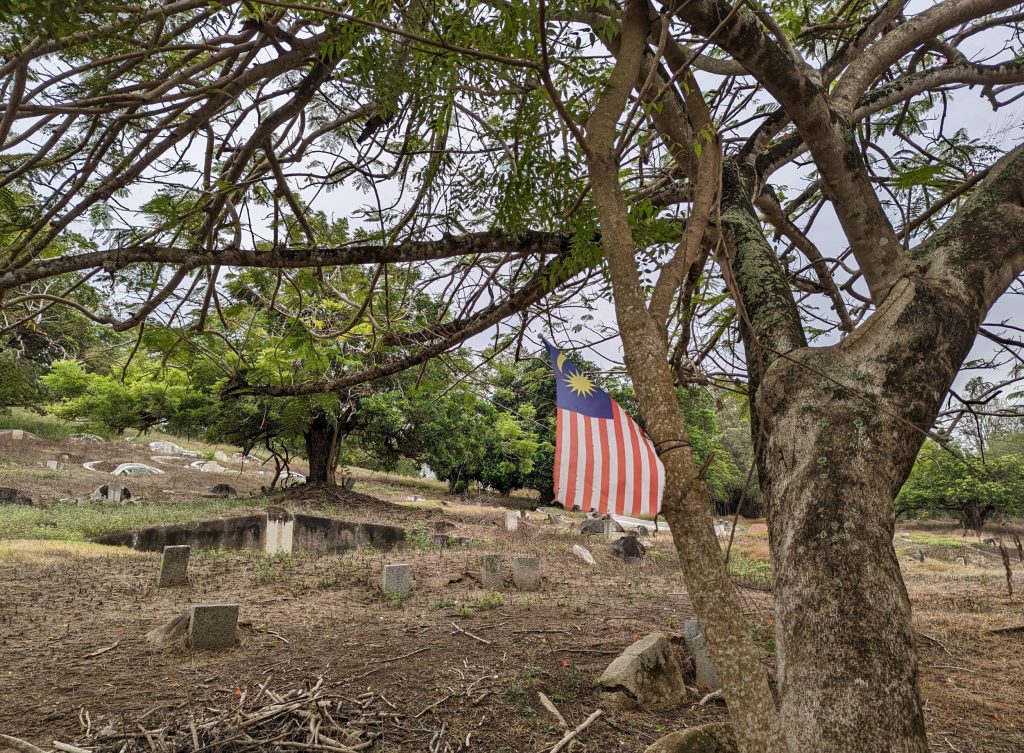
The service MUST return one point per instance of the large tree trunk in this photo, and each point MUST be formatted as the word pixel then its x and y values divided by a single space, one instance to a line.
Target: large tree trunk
pixel 839 431
pixel 321 438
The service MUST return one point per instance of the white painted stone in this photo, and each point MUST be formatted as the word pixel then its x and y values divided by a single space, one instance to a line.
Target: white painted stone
pixel 132 469
pixel 511 521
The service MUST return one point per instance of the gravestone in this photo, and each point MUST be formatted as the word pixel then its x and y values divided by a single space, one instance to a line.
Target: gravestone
pixel 112 493
pixel 511 521
pixel 555 518
pixel 526 573
pixel 706 674
pixel 490 572
pixel 919 554
pixel 174 566
pixel 397 580
pixel 213 626
pixel 55 465
pixel 597 525
pixel 758 528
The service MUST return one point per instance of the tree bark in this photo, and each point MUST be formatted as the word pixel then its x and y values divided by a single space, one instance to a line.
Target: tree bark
pixel 321 450
pixel 840 430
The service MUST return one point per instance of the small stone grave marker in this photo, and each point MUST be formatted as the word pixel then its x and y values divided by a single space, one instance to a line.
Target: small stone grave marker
pixel 707 676
pixel 526 573
pixel 397 580
pixel 511 521
pixel 213 626
pixel 174 566
pixel 490 571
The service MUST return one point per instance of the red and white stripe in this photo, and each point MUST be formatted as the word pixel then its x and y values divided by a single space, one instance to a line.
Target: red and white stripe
pixel 606 465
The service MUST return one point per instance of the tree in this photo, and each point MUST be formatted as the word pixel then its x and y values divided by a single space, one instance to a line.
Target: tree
pixel 945 481
pixel 531 164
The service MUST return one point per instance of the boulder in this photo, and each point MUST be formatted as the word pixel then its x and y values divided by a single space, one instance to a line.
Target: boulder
pixel 708 738
pixel 645 675
pixel 9 496
pixel 583 554
pixel 628 549
pixel 596 526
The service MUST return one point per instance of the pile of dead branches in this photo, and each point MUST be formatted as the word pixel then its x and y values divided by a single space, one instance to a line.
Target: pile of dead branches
pixel 309 718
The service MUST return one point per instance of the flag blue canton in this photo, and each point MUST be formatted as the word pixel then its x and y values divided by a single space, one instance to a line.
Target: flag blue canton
pixel 574 389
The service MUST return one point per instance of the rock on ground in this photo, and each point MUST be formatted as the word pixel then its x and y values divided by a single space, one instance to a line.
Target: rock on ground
pixel 709 738
pixel 646 675
pixel 628 549
pixel 583 554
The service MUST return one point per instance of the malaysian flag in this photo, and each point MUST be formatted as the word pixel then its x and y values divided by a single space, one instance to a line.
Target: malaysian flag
pixel 603 461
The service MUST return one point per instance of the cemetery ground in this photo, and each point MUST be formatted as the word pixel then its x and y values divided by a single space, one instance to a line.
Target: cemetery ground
pixel 453 667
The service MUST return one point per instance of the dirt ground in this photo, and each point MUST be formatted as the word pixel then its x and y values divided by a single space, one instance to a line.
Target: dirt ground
pixel 453 659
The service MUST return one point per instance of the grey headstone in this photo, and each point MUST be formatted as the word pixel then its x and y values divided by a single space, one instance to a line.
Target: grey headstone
pixel 213 626
pixel 174 566
pixel 397 580
pixel 919 554
pixel 490 571
pixel 54 465
pixel 117 493
pixel 555 518
pixel 350 483
pixel 526 573
pixel 511 521
pixel 707 676
pixel 608 529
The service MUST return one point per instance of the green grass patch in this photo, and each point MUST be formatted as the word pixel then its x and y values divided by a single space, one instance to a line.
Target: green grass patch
pixel 45 426
pixel 750 572
pixel 928 539
pixel 71 522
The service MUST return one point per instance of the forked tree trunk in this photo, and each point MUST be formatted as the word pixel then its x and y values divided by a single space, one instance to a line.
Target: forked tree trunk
pixel 321 438
pixel 838 432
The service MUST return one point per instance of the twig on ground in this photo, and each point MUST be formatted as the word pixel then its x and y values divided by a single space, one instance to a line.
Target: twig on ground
pixel 714 695
pixel 438 702
pixel 474 637
pixel 553 710
pixel 104 650
pixel 396 658
pixel 571 735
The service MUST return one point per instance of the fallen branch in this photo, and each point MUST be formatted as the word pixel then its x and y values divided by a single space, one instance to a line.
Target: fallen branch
pixel 396 658
pixel 1009 629
pixel 69 748
pixel 570 736
pixel 16 743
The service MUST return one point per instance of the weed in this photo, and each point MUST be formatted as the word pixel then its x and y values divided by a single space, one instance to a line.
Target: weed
pixel 489 600
pixel 749 571
pixel 418 537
